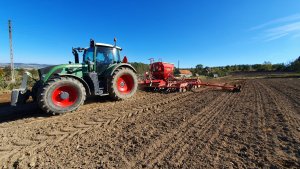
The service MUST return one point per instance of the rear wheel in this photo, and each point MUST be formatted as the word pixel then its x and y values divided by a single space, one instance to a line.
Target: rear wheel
pixel 61 95
pixel 123 84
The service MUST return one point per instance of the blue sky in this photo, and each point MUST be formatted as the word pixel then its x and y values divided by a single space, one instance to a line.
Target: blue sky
pixel 208 32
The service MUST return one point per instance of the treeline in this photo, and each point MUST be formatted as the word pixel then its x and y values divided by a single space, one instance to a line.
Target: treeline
pixel 266 66
pixel 141 68
pixel 5 77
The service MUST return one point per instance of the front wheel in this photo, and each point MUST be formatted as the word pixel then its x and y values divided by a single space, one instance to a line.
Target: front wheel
pixel 60 95
pixel 123 84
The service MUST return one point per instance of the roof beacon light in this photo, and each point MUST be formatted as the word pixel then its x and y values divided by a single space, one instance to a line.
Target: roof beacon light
pixel 125 60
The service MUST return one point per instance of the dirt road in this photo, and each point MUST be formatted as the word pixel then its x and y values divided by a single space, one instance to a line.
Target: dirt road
pixel 256 128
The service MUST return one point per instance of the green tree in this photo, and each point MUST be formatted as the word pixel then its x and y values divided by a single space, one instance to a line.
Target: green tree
pixel 199 66
pixel 267 66
pixel 21 71
pixel 34 73
pixel 141 68
pixel 198 69
pixel 279 67
pixel 176 71
pixel 7 72
pixel 1 73
pixel 295 66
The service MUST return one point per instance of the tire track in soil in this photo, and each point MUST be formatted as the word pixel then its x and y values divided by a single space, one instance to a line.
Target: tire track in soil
pixel 259 147
pixel 289 93
pixel 217 137
pixel 235 148
pixel 280 100
pixel 95 106
pixel 170 107
pixel 270 138
pixel 201 132
pixel 214 127
pixel 247 157
pixel 201 148
pixel 49 135
pixel 245 130
pixel 291 83
pixel 166 143
pixel 262 152
pixel 283 143
pixel 51 138
pixel 71 118
pixel 117 152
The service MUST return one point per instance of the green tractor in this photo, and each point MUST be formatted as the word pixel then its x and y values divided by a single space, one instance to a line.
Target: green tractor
pixel 63 88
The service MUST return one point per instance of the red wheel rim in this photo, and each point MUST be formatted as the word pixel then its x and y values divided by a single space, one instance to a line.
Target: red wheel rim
pixel 125 84
pixel 64 96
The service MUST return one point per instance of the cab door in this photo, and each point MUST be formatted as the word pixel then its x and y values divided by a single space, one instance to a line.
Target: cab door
pixel 104 57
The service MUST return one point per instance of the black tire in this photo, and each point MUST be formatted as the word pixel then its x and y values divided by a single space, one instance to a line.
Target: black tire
pixel 51 99
pixel 116 91
pixel 36 90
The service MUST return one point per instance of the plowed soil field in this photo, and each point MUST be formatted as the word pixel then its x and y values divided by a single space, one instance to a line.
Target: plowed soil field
pixel 204 128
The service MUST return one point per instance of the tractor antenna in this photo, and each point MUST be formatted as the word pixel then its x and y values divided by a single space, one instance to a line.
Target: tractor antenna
pixel 115 41
pixel 11 53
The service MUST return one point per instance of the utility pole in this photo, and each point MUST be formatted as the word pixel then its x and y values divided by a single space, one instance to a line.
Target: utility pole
pixel 178 64
pixel 11 53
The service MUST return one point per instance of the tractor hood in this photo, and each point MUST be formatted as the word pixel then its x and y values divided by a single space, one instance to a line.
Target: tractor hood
pixel 64 69
pixel 45 70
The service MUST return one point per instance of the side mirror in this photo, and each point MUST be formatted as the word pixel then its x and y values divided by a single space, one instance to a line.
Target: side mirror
pixel 92 43
pixel 75 53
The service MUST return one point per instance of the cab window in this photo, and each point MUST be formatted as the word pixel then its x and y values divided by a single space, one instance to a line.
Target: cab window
pixel 88 55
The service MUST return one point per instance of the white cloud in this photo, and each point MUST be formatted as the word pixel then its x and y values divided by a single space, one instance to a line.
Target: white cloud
pixel 275 37
pixel 281 31
pixel 279 28
pixel 276 21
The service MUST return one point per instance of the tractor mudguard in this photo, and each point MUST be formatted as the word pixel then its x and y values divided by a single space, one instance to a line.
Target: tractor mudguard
pixel 84 83
pixel 110 70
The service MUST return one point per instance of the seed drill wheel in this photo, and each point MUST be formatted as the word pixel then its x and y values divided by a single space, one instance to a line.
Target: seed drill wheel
pixel 123 84
pixel 60 95
pixel 182 89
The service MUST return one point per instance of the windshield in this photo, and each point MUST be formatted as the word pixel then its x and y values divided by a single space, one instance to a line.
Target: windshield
pixel 107 55
pixel 88 55
pixel 104 55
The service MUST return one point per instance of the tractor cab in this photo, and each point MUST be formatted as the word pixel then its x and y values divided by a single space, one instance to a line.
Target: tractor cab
pixel 102 53
pixel 99 56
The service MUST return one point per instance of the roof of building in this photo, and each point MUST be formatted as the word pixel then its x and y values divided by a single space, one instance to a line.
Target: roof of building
pixel 186 72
